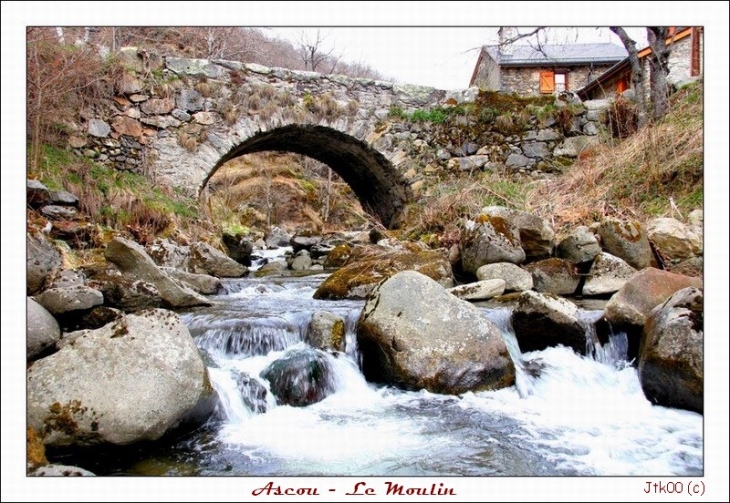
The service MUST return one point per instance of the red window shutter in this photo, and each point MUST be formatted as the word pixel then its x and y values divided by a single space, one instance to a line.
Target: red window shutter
pixel 547 82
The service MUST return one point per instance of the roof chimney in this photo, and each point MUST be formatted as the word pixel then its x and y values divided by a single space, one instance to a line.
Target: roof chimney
pixel 506 36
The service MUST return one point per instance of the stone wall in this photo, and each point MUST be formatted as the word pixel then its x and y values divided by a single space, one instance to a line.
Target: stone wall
pixel 487 73
pixel 526 81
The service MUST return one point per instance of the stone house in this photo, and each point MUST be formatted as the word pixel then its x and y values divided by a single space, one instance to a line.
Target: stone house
pixel 549 69
pixel 685 63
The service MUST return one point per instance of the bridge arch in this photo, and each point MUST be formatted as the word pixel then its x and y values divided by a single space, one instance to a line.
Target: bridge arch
pixel 381 190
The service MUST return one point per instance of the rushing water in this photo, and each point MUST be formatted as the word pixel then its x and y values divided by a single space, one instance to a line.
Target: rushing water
pixel 566 415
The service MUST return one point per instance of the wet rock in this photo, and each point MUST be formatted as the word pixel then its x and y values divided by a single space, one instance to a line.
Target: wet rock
pixel 674 239
pixel 626 240
pixel 133 261
pixel 253 393
pixel 671 356
pixel 301 377
pixel 74 298
pixel 607 275
pixel 536 235
pixel 405 342
pixel 554 275
pixel 201 283
pixel 480 290
pixel 541 321
pixel 579 246
pixel 515 278
pixel 304 242
pixel 239 248
pixel 489 240
pixel 42 331
pixel 326 331
pixel 132 380
pixel 204 259
pixel 643 292
pixel 367 268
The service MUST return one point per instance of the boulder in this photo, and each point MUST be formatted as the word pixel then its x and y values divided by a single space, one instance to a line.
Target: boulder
pixel 55 212
pixel 536 235
pixel 277 237
pixel 133 262
pixel 253 393
pixel 168 254
pixel 541 321
pixel 239 248
pixel 626 240
pixel 648 288
pixel 129 381
pixel 406 342
pixel 301 377
pixel 124 293
pixel 204 259
pixel 201 283
pixel 366 269
pixel 304 241
pixel 301 261
pixel 42 331
pixel 480 290
pixel 579 246
pixel 515 278
pixel 675 239
pixel 74 298
pixel 42 261
pixel 326 331
pixel 607 275
pixel 487 241
pixel 554 275
pixel 671 357
pixel 67 279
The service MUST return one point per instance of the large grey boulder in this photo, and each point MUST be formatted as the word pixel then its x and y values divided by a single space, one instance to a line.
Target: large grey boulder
pixel 326 331
pixel 626 240
pixel 43 260
pixel 406 342
pixel 579 246
pixel 648 288
pixel 607 275
pixel 133 262
pixel 674 239
pixel 479 290
pixel 42 330
pixel 515 278
pixel 73 298
pixel 671 356
pixel 554 275
pixel 132 380
pixel 541 321
pixel 204 259
pixel 302 376
pixel 489 240
pixel 536 235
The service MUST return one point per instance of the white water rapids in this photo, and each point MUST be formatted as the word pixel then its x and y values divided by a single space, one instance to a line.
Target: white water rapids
pixel 580 416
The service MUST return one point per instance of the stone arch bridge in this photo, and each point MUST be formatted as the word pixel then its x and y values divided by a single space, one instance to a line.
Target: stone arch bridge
pixel 181 119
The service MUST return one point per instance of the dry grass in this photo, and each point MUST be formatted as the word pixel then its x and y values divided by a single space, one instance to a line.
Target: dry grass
pixel 656 172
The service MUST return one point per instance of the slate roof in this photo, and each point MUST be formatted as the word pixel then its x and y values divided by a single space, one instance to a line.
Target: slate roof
pixel 569 54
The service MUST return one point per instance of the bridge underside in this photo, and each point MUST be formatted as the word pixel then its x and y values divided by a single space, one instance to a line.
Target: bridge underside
pixel 373 179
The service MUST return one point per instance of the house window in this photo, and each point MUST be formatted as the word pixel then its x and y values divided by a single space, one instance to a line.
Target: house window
pixel 552 82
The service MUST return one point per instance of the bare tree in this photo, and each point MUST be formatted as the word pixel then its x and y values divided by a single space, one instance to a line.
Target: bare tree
pixel 659 69
pixel 637 72
pixel 312 51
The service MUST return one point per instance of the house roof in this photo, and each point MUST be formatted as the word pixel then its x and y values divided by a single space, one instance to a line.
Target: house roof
pixel 568 54
pixel 624 66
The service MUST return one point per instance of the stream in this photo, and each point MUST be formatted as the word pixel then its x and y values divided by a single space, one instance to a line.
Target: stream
pixel 580 416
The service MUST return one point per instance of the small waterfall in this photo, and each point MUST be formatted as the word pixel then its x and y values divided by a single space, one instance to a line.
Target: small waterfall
pixel 240 396
pixel 526 371
pixel 250 337
pixel 614 353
